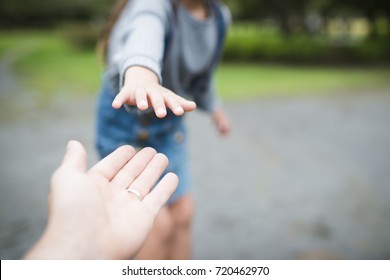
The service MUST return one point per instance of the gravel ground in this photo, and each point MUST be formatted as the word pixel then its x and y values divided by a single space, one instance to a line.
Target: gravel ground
pixel 299 178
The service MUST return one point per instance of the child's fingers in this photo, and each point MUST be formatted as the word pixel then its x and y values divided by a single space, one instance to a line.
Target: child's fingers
pixel 161 193
pixel 157 103
pixel 121 98
pixel 141 98
pixel 173 103
pixel 185 104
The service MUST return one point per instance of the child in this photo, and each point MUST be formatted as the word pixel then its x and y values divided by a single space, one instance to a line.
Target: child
pixel 159 53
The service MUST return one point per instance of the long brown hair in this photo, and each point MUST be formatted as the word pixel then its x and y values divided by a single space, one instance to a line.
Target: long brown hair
pixel 105 33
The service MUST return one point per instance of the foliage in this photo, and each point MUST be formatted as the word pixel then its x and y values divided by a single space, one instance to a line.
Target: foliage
pixel 47 13
pixel 283 31
pixel 48 64
pixel 289 15
pixel 253 42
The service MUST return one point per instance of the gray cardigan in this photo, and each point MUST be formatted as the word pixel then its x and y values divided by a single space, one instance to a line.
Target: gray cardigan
pixel 140 37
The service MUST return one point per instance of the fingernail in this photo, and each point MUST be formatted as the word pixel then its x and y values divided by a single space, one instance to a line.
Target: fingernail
pixel 179 110
pixel 143 103
pixel 69 145
pixel 161 111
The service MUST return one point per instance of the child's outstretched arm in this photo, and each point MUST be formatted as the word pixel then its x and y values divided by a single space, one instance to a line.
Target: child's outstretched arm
pixel 138 53
pixel 142 89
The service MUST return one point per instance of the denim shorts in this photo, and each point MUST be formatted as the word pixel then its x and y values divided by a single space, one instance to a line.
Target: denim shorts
pixel 117 127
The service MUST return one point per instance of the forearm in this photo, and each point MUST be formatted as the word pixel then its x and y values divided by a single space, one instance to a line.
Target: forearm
pixel 140 73
pixel 144 44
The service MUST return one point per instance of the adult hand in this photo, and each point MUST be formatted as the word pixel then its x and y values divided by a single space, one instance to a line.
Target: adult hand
pixel 91 213
pixel 141 89
pixel 221 121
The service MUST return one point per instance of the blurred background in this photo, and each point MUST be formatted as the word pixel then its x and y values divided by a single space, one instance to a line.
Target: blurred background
pixel 305 173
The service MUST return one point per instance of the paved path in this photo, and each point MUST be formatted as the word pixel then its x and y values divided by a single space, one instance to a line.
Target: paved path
pixel 299 178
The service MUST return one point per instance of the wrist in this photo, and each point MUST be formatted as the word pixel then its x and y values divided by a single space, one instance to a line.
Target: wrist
pixel 59 244
pixel 217 112
pixel 140 74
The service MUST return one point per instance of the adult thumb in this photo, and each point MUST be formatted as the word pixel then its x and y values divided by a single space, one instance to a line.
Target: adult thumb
pixel 75 156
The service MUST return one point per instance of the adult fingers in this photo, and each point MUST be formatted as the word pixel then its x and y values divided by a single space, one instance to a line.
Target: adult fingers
pixel 133 168
pixel 75 156
pixel 149 176
pixel 161 193
pixel 112 164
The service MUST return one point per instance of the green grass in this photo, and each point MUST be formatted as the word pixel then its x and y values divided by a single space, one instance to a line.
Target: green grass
pixel 48 64
pixel 241 81
pixel 51 70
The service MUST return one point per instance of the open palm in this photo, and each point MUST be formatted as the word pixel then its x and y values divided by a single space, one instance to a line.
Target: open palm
pixel 93 209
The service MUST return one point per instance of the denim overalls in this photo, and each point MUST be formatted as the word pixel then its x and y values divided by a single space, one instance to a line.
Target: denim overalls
pixel 139 129
pixel 117 127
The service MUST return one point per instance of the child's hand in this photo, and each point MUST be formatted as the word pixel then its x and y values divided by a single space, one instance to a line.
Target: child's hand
pixel 221 121
pixel 141 89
